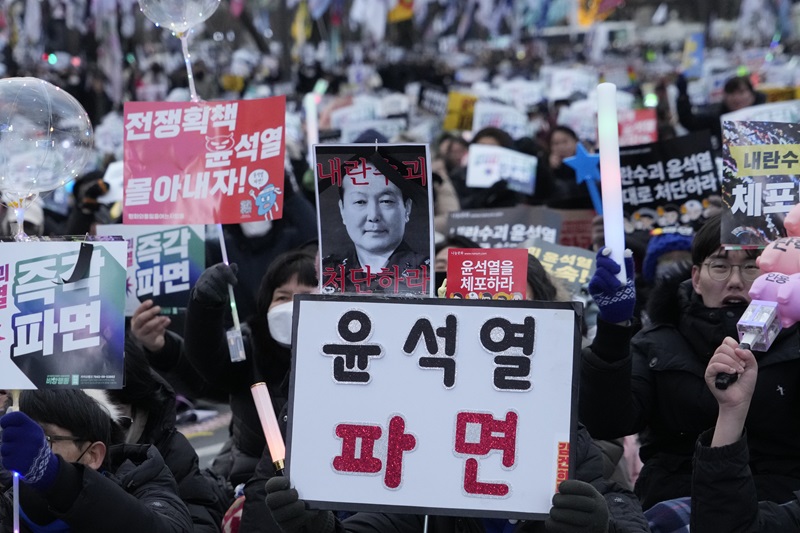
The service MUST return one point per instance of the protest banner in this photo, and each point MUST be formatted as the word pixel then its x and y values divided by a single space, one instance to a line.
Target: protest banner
pixel 694 49
pixel 375 213
pixel 433 99
pixel 637 126
pixel 459 111
pixel 420 386
pixel 508 227
pixel 759 181
pixel 576 227
pixel 505 117
pixel 481 274
pixel 667 183
pixel 62 322
pixel 487 164
pixel 163 263
pixel 572 266
pixel 204 162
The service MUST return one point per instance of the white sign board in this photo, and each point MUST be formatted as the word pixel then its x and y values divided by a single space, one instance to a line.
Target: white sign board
pixel 487 164
pixel 505 117
pixel 773 112
pixel 450 407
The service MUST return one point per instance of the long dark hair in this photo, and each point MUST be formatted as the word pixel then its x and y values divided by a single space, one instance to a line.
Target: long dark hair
pixel 272 359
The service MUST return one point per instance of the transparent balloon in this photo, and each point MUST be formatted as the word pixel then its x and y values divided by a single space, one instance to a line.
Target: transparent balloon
pixel 178 15
pixel 46 140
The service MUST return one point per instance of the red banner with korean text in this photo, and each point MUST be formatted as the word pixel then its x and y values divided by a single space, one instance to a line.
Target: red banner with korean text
pixel 204 162
pixel 487 274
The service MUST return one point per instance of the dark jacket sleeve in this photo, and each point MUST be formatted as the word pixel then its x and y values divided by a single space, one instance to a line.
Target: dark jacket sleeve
pixel 624 511
pixel 615 397
pixel 255 514
pixel 724 493
pixel 90 501
pixel 206 347
pixel 694 121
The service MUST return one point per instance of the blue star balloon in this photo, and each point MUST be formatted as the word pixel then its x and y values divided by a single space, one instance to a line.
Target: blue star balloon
pixel 587 169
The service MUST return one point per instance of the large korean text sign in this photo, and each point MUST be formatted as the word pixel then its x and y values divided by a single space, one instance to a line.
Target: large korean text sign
pixel 436 406
pixel 55 334
pixel 204 162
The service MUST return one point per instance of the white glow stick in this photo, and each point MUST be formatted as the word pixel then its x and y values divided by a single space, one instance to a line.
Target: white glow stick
pixel 269 424
pixel 610 176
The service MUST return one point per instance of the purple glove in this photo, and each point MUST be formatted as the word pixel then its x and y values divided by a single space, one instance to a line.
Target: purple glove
pixel 25 450
pixel 614 300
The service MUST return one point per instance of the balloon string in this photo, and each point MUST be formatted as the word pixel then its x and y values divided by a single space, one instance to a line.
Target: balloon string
pixel 184 36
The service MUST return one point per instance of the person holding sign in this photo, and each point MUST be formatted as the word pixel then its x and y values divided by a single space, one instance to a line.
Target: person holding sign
pixel 375 211
pixel 76 474
pixel 267 341
pixel 654 385
pixel 586 504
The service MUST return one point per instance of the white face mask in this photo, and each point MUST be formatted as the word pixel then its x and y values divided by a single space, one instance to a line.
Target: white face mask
pixel 279 319
pixel 256 229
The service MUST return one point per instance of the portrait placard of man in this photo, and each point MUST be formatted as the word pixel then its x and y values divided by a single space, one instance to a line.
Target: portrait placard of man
pixel 375 209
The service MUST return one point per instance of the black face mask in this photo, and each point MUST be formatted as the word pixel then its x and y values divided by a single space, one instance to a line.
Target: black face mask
pixel 438 278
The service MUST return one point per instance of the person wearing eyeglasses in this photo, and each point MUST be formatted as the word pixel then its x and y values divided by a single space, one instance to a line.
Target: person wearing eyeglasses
pixel 653 384
pixel 77 476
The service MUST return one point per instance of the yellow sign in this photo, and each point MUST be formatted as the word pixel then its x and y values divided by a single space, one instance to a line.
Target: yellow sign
pixel 460 107
pixel 767 159
pixel 404 10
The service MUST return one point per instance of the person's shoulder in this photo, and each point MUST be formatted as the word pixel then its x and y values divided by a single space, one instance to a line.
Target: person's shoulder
pixel 405 257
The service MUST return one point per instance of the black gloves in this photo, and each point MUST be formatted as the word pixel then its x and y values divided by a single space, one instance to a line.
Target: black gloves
pixel 577 508
pixel 290 512
pixel 212 285
pixel 681 84
pixel 87 190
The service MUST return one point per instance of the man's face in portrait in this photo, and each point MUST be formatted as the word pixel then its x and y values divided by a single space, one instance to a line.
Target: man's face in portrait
pixel 374 212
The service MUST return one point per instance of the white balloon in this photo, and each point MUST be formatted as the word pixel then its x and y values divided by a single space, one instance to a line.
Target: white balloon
pixel 46 138
pixel 178 15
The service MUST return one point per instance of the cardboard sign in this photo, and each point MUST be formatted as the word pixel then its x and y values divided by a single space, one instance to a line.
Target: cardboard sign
pixel 637 126
pixel 459 111
pixel 573 266
pixel 481 274
pixel 375 216
pixel 665 184
pixel 509 227
pixel 164 263
pixel 759 181
pixel 487 165
pixel 56 332
pixel 204 162
pixel 446 407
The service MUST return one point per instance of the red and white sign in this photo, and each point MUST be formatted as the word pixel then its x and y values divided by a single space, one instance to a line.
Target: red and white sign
pixel 432 406
pixel 487 274
pixel 204 162
pixel 637 126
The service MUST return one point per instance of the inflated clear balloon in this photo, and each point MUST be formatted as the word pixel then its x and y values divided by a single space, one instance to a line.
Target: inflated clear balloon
pixel 178 15
pixel 46 139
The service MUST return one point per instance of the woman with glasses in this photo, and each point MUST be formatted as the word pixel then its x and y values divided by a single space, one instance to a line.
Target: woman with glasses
pixel 653 384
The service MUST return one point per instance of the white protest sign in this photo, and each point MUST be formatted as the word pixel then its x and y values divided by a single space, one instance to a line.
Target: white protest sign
pixel 488 164
pixel 351 113
pixel 456 407
pixel 774 112
pixel 388 127
pixel 505 117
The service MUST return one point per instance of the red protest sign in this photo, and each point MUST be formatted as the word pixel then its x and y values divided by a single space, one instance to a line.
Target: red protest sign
pixel 204 162
pixel 637 126
pixel 486 273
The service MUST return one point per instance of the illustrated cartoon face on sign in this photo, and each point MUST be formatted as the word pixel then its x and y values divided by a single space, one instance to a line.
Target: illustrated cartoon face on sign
pixel 266 200
pixel 219 143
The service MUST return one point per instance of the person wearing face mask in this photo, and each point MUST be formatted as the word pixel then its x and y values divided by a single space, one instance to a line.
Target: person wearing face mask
pixel 267 340
pixel 653 384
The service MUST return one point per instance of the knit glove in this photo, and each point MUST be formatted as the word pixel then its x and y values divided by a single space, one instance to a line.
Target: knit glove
pixel 615 301
pixel 25 450
pixel 211 287
pixel 577 508
pixel 290 512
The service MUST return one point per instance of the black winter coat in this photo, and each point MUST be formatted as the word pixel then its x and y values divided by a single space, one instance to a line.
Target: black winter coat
pixel 655 384
pixel 207 350
pixel 709 120
pixel 625 513
pixel 724 495
pixel 140 495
